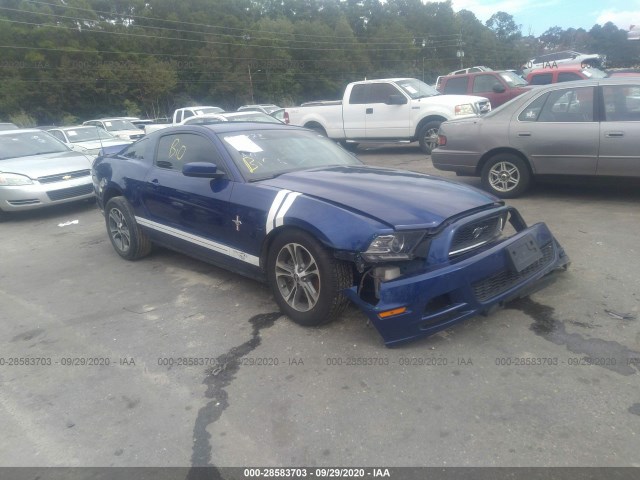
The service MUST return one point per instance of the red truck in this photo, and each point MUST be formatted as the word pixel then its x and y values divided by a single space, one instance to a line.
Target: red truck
pixel 498 86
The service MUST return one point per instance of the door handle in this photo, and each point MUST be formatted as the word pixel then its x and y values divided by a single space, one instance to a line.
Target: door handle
pixel 524 134
pixel 614 134
pixel 369 111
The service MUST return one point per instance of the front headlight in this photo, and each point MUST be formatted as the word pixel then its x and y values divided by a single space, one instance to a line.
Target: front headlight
pixel 12 179
pixel 465 109
pixel 394 246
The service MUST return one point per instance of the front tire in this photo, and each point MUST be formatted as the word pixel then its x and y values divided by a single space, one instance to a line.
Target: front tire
pixel 506 176
pixel 127 238
pixel 428 136
pixel 307 281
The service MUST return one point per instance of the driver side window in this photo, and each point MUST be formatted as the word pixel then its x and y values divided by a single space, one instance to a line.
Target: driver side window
pixel 176 150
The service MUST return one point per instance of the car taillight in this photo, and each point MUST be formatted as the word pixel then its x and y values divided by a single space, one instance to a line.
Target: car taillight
pixel 286 117
pixel 442 140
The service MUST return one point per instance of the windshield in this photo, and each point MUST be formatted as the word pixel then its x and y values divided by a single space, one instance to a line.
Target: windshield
pixel 24 144
pixel 116 125
pixel 513 80
pixel 416 88
pixel 88 134
pixel 261 154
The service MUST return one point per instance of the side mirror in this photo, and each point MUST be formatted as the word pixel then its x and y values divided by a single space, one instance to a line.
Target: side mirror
pixel 201 170
pixel 498 88
pixel 396 100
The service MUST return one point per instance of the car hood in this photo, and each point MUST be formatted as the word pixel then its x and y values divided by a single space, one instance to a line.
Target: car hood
pixel 44 165
pixel 400 199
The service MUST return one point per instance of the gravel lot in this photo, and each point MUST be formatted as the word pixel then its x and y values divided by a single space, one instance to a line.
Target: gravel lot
pixel 552 380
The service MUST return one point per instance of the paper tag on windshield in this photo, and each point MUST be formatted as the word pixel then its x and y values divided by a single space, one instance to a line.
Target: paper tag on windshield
pixel 242 143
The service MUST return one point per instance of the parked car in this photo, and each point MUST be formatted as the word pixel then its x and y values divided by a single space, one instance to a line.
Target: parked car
pixel 386 110
pixel 588 127
pixel 250 116
pixel 37 170
pixel 623 72
pixel 119 127
pixel 475 69
pixel 87 139
pixel 140 123
pixel 271 201
pixel 566 57
pixel 569 73
pixel 267 108
pixel 182 114
pixel 498 86
pixel 246 116
pixel 462 72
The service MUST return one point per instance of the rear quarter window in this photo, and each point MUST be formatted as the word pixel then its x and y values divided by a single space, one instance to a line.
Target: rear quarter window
pixel 456 85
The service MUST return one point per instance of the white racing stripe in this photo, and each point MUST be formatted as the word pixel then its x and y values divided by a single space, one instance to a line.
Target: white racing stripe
pixel 285 208
pixel 280 206
pixel 201 241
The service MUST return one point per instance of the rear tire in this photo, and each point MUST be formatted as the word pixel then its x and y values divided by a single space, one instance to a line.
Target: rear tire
pixel 127 238
pixel 307 281
pixel 506 176
pixel 317 128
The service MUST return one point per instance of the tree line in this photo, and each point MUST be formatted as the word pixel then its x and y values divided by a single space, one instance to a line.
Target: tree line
pixel 64 61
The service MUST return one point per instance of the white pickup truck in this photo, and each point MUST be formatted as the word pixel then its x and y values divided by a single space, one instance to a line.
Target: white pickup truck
pixel 180 115
pixel 386 110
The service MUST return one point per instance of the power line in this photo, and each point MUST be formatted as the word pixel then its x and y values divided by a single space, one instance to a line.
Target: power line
pixel 207 42
pixel 278 34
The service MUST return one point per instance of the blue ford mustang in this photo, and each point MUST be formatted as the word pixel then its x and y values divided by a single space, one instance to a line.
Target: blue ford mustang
pixel 282 204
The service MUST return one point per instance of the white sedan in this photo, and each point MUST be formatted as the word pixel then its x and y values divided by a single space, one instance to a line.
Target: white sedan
pixel 85 139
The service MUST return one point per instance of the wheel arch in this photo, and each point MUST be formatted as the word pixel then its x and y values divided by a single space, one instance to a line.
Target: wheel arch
pixel 109 192
pixel 317 126
pixel 429 118
pixel 492 153
pixel 298 225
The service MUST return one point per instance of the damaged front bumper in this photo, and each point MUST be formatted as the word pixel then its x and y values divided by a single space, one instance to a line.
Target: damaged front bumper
pixel 436 299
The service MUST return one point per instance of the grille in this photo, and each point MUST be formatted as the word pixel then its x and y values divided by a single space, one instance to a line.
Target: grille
pixel 484 107
pixel 475 234
pixel 60 176
pixel 502 281
pixel 65 193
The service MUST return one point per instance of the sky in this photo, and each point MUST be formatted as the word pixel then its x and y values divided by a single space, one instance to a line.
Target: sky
pixel 537 16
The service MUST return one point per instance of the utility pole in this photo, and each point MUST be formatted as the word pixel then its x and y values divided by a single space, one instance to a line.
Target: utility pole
pixel 460 52
pixel 251 84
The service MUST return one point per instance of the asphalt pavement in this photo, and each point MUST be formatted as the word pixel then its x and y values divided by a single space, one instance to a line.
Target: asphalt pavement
pixel 168 361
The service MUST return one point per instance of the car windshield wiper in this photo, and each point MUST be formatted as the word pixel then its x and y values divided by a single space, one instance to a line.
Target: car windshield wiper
pixel 267 177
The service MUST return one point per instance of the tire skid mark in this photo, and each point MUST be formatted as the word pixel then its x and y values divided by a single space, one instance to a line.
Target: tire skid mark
pixel 218 378
pixel 550 328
